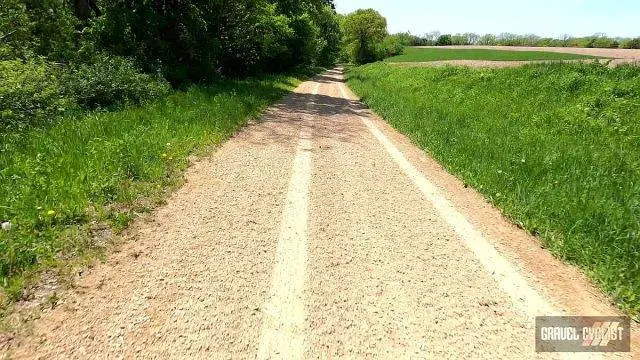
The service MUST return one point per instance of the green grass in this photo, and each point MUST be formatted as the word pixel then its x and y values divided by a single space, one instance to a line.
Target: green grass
pixel 429 54
pixel 58 184
pixel 556 146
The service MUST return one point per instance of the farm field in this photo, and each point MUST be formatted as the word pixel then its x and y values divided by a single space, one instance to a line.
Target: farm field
pixel 608 53
pixel 555 146
pixel 413 54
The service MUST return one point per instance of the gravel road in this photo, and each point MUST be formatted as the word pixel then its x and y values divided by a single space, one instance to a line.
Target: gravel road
pixel 317 232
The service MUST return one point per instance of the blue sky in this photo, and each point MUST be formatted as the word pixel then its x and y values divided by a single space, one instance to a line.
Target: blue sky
pixel 541 17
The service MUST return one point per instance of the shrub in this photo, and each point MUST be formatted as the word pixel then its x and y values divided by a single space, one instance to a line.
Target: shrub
pixel 393 45
pixel 29 93
pixel 112 81
pixel 35 92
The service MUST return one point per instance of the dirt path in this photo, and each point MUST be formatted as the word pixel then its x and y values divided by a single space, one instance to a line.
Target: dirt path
pixel 319 232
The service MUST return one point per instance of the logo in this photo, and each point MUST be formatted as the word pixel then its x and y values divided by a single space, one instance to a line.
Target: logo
pixel 583 334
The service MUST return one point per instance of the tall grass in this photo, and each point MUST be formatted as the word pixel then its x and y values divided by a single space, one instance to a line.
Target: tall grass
pixel 557 147
pixel 431 54
pixel 60 184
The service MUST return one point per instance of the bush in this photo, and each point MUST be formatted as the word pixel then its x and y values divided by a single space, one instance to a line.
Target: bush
pixel 393 45
pixel 29 93
pixel 112 81
pixel 35 92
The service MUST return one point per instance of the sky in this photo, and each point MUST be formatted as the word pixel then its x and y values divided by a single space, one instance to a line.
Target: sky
pixel 548 18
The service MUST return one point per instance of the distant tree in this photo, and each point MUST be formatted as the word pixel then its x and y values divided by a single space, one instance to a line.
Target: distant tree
pixel 530 39
pixel 433 36
pixel 488 39
pixel 444 40
pixel 472 38
pixel 631 44
pixel 364 32
pixel 509 39
pixel 459 39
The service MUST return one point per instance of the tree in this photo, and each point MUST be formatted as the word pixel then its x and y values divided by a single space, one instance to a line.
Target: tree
pixel 444 40
pixel 433 36
pixel 459 39
pixel 472 38
pixel 364 32
pixel 631 44
pixel 328 22
pixel 488 39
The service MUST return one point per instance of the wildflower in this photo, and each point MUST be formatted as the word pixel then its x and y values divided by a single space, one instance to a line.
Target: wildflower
pixel 164 155
pixel 51 212
pixel 6 226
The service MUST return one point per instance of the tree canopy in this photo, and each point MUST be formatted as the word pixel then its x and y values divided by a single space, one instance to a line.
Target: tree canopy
pixel 185 40
pixel 364 32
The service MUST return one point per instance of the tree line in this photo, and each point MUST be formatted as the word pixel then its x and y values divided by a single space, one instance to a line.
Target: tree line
pixel 598 40
pixel 57 55
pixel 185 40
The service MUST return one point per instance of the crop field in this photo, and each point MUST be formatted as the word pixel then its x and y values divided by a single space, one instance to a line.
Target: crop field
pixel 555 146
pixel 430 54
pixel 62 184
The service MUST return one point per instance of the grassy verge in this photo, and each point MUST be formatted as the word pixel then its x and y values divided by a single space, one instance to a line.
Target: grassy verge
pixel 64 186
pixel 556 146
pixel 429 54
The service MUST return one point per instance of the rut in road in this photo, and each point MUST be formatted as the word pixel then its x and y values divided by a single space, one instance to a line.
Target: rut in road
pixel 311 234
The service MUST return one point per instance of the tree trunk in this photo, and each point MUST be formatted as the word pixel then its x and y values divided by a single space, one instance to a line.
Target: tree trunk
pixel 82 10
pixel 95 8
